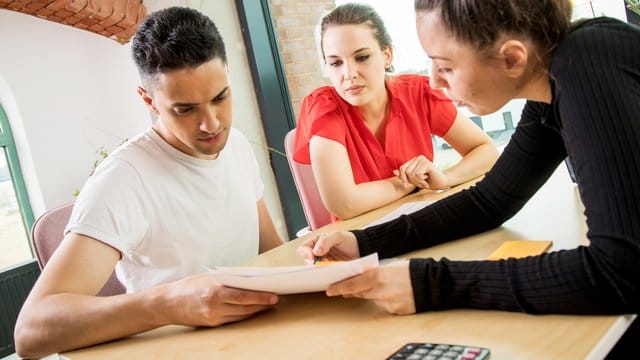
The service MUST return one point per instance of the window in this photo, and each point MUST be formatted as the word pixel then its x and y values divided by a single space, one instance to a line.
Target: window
pixel 16 216
pixel 410 58
pixel 594 8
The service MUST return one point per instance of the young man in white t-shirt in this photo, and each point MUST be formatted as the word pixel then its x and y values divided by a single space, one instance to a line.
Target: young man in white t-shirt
pixel 180 197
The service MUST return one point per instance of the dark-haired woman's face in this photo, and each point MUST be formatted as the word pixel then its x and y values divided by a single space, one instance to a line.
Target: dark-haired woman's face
pixel 468 77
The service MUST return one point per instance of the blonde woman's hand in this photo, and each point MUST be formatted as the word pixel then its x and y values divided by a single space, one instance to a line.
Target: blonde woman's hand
pixel 422 173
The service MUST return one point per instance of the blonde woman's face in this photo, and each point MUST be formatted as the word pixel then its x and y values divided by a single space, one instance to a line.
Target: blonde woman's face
pixel 355 64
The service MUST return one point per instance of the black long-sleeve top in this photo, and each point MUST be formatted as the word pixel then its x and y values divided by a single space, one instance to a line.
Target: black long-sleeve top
pixel 594 119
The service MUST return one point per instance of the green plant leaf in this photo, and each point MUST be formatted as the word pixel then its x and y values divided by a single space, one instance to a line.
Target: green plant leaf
pixel 633 5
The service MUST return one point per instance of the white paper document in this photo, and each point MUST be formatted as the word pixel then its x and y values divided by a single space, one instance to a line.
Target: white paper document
pixel 406 208
pixel 293 279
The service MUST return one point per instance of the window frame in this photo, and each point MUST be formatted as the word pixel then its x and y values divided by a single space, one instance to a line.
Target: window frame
pixel 7 142
pixel 274 100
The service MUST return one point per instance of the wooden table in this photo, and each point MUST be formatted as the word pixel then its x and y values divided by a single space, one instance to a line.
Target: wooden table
pixel 313 326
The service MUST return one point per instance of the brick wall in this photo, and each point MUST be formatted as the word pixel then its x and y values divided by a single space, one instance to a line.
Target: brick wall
pixel 116 19
pixel 295 22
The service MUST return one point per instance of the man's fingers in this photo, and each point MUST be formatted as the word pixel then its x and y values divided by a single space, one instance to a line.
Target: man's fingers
pixel 233 296
pixel 245 310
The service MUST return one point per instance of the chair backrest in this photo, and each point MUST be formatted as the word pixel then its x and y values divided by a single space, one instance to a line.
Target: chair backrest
pixel 47 233
pixel 315 212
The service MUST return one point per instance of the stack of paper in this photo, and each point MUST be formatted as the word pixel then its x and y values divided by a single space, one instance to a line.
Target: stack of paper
pixel 292 279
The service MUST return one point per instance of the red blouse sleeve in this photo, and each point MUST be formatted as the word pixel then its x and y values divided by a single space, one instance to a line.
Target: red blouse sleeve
pixel 319 115
pixel 442 111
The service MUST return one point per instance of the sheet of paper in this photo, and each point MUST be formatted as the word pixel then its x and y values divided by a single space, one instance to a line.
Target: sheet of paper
pixel 292 279
pixel 406 208
pixel 55 356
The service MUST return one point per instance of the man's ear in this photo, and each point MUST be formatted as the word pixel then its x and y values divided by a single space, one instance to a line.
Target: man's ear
pixel 147 99
pixel 515 57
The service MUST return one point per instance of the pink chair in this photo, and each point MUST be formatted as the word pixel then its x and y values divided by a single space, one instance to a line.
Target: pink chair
pixel 47 233
pixel 315 212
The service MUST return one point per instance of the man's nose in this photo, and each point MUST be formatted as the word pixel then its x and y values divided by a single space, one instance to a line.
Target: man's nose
pixel 209 122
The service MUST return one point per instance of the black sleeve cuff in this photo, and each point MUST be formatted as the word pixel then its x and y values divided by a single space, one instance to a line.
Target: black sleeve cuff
pixel 417 271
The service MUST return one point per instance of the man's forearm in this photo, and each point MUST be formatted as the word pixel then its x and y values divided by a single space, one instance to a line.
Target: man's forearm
pixel 66 321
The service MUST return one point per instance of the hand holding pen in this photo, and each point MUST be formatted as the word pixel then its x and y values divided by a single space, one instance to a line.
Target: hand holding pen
pixel 317 258
pixel 329 247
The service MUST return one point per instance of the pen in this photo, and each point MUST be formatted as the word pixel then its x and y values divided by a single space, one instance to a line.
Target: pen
pixel 317 258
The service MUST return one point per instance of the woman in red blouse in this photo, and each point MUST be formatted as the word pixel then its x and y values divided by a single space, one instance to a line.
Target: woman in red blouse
pixel 368 136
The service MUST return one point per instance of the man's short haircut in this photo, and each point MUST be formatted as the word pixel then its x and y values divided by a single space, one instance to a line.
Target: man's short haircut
pixel 175 38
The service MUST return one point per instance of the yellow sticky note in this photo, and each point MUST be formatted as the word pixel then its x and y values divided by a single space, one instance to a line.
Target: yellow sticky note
pixel 520 249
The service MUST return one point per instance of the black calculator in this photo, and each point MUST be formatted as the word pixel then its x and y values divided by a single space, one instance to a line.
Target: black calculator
pixel 431 351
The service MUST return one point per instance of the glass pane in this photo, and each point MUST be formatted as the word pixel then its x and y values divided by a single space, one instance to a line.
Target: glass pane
pixel 14 244
pixel 583 9
pixel 499 126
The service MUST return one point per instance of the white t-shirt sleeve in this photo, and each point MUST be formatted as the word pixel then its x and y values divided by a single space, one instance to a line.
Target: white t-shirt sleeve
pixel 112 206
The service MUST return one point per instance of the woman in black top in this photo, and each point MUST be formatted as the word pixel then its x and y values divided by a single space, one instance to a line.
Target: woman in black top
pixel 582 83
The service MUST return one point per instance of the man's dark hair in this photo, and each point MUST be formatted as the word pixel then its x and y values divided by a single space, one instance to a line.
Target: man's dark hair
pixel 175 38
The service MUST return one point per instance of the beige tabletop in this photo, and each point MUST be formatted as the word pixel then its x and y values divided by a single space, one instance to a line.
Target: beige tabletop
pixel 313 326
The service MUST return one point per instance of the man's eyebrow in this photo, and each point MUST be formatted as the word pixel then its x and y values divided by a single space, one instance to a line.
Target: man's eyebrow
pixel 221 93
pixel 217 97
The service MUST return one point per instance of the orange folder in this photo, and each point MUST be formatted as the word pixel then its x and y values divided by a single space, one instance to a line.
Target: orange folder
pixel 520 249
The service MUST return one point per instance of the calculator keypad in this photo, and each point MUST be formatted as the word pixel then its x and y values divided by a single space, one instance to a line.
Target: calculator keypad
pixel 428 351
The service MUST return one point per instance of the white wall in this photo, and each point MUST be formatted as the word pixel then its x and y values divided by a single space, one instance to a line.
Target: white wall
pixel 68 92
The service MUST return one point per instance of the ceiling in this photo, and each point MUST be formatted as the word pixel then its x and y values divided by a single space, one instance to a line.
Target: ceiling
pixel 115 19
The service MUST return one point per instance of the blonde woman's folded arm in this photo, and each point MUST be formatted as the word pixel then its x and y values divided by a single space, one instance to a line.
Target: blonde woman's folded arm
pixel 338 190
